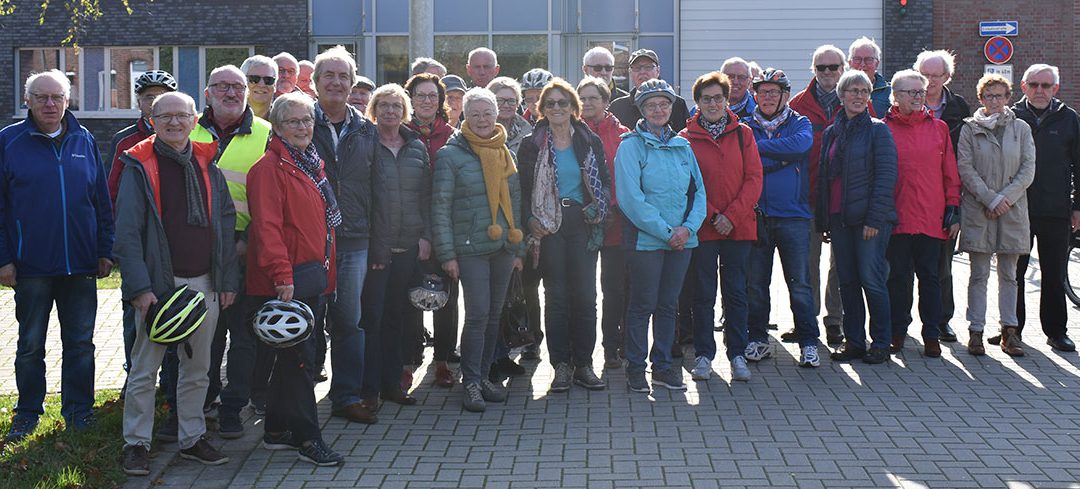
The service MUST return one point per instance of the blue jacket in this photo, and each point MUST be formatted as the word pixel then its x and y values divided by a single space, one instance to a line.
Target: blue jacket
pixel 54 201
pixel 867 181
pixel 785 190
pixel 659 187
pixel 879 96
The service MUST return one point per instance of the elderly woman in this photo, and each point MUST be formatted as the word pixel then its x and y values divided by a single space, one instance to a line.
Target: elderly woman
pixel 731 170
pixel 508 95
pixel 595 95
pixel 927 199
pixel 475 216
pixel 293 216
pixel 565 187
pixel 261 73
pixel 662 195
pixel 401 182
pixel 856 208
pixel 429 120
pixel 360 93
pixel 996 160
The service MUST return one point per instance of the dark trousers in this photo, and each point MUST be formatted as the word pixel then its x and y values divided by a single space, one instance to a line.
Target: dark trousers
pixel 243 348
pixel 863 269
pixel 385 295
pixel 910 255
pixel 654 294
pixel 569 271
pixel 945 281
pixel 445 322
pixel 613 285
pixel 1052 236
pixel 291 391
pixel 731 259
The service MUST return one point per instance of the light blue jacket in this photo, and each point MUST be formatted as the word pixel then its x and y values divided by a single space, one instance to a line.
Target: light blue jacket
pixel 659 187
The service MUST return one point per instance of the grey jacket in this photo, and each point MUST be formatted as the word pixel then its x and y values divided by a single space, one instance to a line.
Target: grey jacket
pixel 142 248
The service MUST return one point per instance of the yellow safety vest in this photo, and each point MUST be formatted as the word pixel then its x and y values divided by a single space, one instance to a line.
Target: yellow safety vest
pixel 239 156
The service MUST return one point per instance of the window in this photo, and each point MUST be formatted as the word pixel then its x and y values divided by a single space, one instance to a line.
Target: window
pixel 127 65
pixel 38 60
pixel 391 59
pixel 215 57
pixel 351 47
pixel 453 51
pixel 520 53
pixel 621 49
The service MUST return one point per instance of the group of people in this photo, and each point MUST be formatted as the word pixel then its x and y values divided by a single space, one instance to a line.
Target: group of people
pixel 305 198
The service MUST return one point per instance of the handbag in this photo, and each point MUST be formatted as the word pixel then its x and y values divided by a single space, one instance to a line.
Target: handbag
pixel 311 277
pixel 514 328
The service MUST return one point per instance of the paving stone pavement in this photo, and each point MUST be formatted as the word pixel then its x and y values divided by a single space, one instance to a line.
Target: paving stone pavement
pixel 957 421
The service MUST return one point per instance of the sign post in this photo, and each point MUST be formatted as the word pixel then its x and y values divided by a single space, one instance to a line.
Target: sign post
pixel 998 50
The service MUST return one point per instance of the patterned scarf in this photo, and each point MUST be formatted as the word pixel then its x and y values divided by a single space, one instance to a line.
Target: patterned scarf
pixel 843 129
pixel 309 162
pixel 828 100
pixel 545 193
pixel 738 107
pixel 715 129
pixel 777 119
pixel 666 133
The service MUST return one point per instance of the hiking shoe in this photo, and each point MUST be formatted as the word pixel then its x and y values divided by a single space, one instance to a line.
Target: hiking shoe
pixel 230 427
pixel 790 336
pixel 739 370
pixel 670 378
pixel 203 452
pixel 808 357
pixel 931 347
pixel 847 353
pixel 875 356
pixel 702 369
pixel 563 375
pixel 279 441
pixel 635 381
pixel 136 460
pixel 169 429
pixel 82 423
pixel 319 454
pixel 492 392
pixel 1010 342
pixel 757 351
pixel 473 401
pixel 586 377
pixel 975 346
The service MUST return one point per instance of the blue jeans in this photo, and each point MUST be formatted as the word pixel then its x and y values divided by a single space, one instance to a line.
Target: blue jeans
pixel 346 337
pixel 484 283
pixel 569 271
pixel 656 280
pixel 791 237
pixel 733 257
pixel 386 294
pixel 910 255
pixel 76 308
pixel 862 269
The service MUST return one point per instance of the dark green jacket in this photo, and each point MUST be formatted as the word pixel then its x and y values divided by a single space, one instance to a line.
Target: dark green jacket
pixel 402 197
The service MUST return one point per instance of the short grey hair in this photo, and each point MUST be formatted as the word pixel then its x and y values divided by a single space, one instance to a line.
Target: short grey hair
pixel 478 94
pixel 336 53
pixel 735 61
pixel 57 75
pixel 502 82
pixel 906 75
pixel 286 102
pixel 1039 68
pixel 421 65
pixel 824 49
pixel 188 101
pixel 390 90
pixel 597 51
pixel 258 60
pixel 864 42
pixel 232 68
pixel 483 50
pixel 946 58
pixel 307 63
pixel 286 56
pixel 852 77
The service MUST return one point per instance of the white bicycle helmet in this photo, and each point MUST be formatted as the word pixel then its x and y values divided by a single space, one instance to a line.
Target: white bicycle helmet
pixel 283 324
pixel 430 294
pixel 155 78
pixel 536 79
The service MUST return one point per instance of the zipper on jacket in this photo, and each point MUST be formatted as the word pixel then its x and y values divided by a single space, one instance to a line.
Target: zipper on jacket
pixel 63 204
pixel 18 234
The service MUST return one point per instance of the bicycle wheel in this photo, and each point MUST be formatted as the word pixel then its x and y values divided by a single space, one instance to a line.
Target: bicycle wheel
pixel 1072 273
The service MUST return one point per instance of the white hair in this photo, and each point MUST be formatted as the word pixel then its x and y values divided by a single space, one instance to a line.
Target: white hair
pixel 865 42
pixel 483 50
pixel 597 51
pixel 502 82
pixel 336 53
pixel 258 60
pixel 231 68
pixel 478 94
pixel 286 56
pixel 1039 68
pixel 906 75
pixel 947 59
pixel 286 102
pixel 735 61
pixel 57 75
pixel 828 48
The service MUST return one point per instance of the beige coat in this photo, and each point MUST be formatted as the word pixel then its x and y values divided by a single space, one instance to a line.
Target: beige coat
pixel 988 169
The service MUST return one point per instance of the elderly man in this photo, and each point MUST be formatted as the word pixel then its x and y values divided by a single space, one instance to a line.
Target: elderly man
pixel 865 55
pixel 427 65
pixel 820 103
pixel 361 93
pixel 56 236
pixel 172 209
pixel 288 71
pixel 147 87
pixel 241 140
pixel 455 94
pixel 346 142
pixel 303 77
pixel 482 67
pixel 739 73
pixel 645 65
pixel 1053 198
pixel 937 67
pixel 600 63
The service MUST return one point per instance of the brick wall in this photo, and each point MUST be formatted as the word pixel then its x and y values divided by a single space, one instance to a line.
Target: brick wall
pixel 271 26
pixel 907 34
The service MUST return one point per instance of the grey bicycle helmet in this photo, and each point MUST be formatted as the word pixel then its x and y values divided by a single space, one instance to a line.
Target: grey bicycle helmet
pixel 535 79
pixel 155 78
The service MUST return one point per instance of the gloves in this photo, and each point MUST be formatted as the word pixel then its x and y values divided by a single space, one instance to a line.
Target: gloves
pixel 952 216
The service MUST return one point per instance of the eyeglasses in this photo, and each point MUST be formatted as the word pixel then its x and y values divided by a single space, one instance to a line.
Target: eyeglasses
pixel 601 67
pixel 287 71
pixel 481 115
pixel 861 92
pixel 859 60
pixel 266 80
pixel 936 76
pixel 833 67
pixel 44 98
pixel 397 107
pixel 426 96
pixel 562 103
pixel 299 123
pixel 740 78
pixel 769 93
pixel 1044 86
pixel 644 68
pixel 707 100
pixel 655 106
pixel 591 99
pixel 912 93
pixel 167 118
pixel 225 87
pixel 994 96
pixel 507 101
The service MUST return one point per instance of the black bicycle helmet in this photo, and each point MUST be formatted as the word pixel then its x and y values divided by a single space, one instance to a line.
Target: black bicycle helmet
pixel 175 316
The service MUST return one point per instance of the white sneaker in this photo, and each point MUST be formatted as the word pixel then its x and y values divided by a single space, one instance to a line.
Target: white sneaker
pixel 739 370
pixel 757 351
pixel 702 369
pixel 809 357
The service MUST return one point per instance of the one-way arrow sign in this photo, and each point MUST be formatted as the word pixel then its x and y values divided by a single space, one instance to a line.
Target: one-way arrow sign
pixel 999 28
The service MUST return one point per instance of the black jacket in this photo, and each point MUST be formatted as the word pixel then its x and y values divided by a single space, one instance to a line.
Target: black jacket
pixel 348 167
pixel 628 113
pixel 1056 189
pixel 402 200
pixel 956 110
pixel 868 179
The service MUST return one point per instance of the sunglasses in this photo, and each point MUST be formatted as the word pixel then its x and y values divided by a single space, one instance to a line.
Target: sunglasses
pixel 827 67
pixel 1044 86
pixel 266 80
pixel 562 103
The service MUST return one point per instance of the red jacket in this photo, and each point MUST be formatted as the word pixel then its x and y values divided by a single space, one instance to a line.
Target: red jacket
pixel 135 134
pixel 732 177
pixel 927 179
pixel 805 104
pixel 609 129
pixel 288 222
pixel 435 138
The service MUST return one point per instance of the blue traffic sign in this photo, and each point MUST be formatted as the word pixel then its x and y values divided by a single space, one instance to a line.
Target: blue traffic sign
pixel 998 50
pixel 999 28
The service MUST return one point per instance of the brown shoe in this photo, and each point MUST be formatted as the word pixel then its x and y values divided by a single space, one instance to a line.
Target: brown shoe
pixel 357 413
pixel 202 451
pixel 406 379
pixel 1010 342
pixel 898 342
pixel 975 344
pixel 444 377
pixel 136 460
pixel 399 397
pixel 932 347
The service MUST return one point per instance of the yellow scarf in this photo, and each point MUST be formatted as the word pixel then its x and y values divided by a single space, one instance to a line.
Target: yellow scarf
pixel 498 165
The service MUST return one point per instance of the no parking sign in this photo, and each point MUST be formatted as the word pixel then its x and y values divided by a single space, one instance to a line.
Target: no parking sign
pixel 998 50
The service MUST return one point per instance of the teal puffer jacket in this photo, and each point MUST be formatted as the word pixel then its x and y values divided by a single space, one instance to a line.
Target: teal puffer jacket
pixel 459 208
